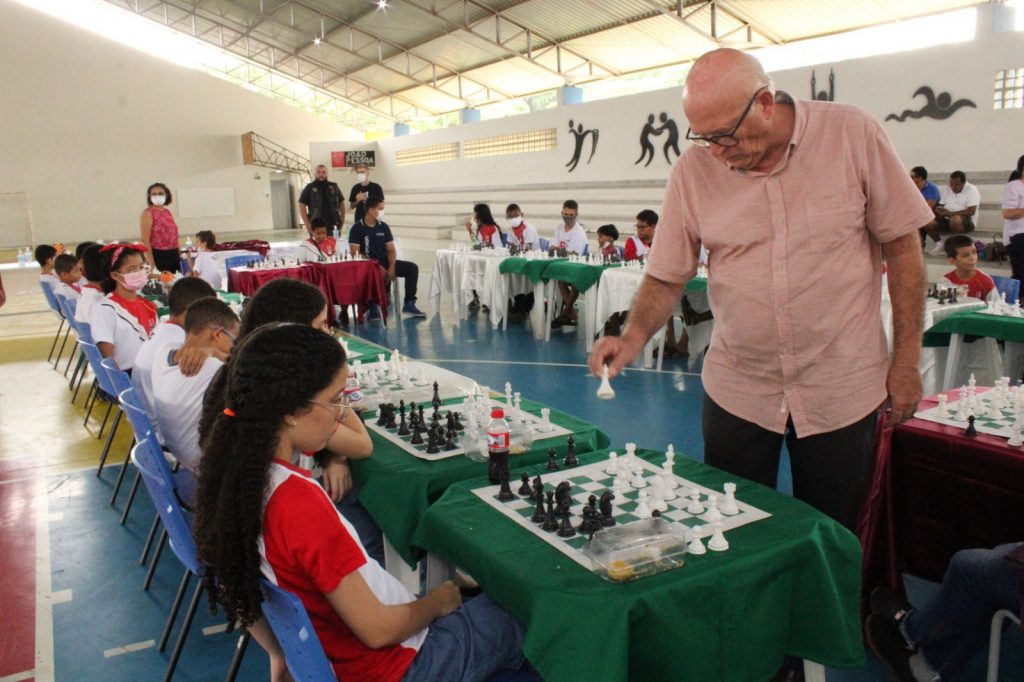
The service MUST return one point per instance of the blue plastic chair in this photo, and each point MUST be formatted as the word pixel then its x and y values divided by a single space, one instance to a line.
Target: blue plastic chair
pixel 101 383
pixel 586 250
pixel 1008 286
pixel 545 244
pixel 160 483
pixel 504 238
pixel 183 266
pixel 51 300
pixel 241 261
pixel 121 382
pixel 289 620
pixel 68 307
pixel 84 330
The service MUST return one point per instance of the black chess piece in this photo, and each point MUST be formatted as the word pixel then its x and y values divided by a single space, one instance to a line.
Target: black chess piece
pixel 550 522
pixel 417 437
pixel 382 414
pixel 524 489
pixel 562 491
pixel 538 493
pixel 570 453
pixel 403 427
pixel 391 419
pixel 970 430
pixel 606 508
pixel 449 421
pixel 566 530
pixel 505 491
pixel 432 444
pixel 458 424
pixel 436 416
pixel 436 400
pixel 449 442
pixel 552 464
pixel 537 487
pixel 421 420
pixel 953 300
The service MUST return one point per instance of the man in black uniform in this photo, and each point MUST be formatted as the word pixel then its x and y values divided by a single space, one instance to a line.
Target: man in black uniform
pixel 322 199
pixel 362 191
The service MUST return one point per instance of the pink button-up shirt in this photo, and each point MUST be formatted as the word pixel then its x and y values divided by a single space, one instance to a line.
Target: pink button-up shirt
pixel 794 268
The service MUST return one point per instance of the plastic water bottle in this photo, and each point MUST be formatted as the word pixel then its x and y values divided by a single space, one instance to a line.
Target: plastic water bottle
pixel 189 246
pixel 498 445
pixel 21 258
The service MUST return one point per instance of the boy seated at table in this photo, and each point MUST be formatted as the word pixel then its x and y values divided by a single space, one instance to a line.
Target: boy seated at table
pixel 638 245
pixel 210 328
pixel 284 395
pixel 46 256
pixel 521 233
pixel 69 273
pixel 203 264
pixel 320 246
pixel 607 235
pixel 371 237
pixel 963 255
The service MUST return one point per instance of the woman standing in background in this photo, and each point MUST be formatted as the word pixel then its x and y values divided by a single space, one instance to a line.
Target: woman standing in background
pixel 158 230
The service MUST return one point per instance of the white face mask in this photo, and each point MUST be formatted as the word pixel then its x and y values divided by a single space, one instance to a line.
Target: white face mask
pixel 513 223
pixel 380 215
pixel 158 199
pixel 361 177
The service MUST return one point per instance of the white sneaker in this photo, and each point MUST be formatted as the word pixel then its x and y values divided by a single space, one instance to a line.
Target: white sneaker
pixel 939 249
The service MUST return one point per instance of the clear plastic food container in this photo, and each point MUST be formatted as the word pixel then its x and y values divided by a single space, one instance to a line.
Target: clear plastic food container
pixel 637 549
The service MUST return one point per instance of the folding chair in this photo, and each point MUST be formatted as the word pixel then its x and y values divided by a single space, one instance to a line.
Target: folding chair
pixel 1008 286
pixel 101 384
pixel 51 300
pixel 161 484
pixel 303 652
pixel 544 243
pixel 996 634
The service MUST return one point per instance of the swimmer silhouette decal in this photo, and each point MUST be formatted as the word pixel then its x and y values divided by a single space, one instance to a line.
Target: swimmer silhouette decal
pixel 938 107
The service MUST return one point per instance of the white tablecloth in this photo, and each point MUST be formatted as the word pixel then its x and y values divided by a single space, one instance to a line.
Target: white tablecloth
pixel 460 273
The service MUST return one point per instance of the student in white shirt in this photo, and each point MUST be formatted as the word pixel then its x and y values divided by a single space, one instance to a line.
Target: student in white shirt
pixel 91 291
pixel 123 320
pixel 68 272
pixel 211 328
pixel 572 236
pixel 170 332
pixel 46 255
pixel 958 205
pixel 205 266
pixel 320 246
pixel 520 232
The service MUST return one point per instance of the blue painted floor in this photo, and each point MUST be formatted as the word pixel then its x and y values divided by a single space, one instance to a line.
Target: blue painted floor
pixel 98 560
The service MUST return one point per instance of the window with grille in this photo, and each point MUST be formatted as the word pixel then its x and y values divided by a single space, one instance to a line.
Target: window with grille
pixel 514 143
pixel 1009 89
pixel 431 154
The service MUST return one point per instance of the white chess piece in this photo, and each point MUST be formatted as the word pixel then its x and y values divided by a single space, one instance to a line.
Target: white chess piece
pixel 943 406
pixel 718 543
pixel 605 390
pixel 971 381
pixel 638 480
pixel 619 485
pixel 658 494
pixel 643 510
pixel 1015 440
pixel 669 479
pixel 545 420
pixel 993 409
pixel 729 507
pixel 695 507
pixel 670 454
pixel 613 463
pixel 713 513
pixel 695 546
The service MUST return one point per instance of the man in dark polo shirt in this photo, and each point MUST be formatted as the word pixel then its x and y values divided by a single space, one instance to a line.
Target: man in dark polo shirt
pixel 363 191
pixel 322 199
pixel 372 238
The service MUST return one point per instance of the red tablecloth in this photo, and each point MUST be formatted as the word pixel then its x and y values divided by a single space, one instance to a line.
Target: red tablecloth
pixel 356 283
pixel 937 491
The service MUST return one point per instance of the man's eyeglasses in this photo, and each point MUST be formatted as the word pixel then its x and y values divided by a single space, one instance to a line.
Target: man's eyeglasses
pixel 340 408
pixel 724 139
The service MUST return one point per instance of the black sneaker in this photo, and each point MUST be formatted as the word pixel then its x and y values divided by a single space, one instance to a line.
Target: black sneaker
pixel 889 604
pixel 885 640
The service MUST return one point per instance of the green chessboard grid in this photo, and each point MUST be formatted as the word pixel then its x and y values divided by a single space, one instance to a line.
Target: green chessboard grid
pixel 983 423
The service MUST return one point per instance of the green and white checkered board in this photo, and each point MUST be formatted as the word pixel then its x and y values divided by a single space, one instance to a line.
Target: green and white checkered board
pixel 591 479
pixel 983 423
pixel 420 388
pixel 535 423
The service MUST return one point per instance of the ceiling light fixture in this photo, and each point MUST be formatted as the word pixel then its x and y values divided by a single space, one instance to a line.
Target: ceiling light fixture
pixel 316 40
pixel 382 5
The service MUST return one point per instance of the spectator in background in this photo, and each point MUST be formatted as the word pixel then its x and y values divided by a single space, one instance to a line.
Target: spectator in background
pixel 1013 219
pixel 372 238
pixel 46 256
pixel 919 174
pixel 92 292
pixel 203 265
pixel 607 235
pixel 320 246
pixel 363 191
pixel 322 199
pixel 68 271
pixel 158 231
pixel 520 232
pixel 482 227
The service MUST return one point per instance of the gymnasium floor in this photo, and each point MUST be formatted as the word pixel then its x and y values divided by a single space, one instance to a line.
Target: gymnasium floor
pixel 71 598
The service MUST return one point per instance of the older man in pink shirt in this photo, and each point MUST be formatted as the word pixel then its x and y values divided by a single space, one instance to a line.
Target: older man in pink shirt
pixel 797 203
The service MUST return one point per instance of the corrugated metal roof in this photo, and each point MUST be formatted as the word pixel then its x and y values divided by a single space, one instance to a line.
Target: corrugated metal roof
pixel 438 55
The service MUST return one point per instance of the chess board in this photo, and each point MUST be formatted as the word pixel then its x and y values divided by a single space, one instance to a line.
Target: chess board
pixel 404 442
pixel 591 479
pixel 420 387
pixel 983 423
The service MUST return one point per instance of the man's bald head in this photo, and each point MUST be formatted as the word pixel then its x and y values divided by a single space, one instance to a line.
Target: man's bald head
pixel 720 79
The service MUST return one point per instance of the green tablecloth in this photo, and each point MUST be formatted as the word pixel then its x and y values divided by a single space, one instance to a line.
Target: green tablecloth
pixel 973 324
pixel 397 488
pixel 788 585
pixel 226 296
pixel 697 284
pixel 582 276
pixel 534 269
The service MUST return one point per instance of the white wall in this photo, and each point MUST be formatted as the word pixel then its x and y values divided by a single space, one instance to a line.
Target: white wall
pixel 976 140
pixel 88 124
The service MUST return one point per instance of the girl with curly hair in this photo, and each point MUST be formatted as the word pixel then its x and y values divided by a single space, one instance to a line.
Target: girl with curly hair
pixel 259 515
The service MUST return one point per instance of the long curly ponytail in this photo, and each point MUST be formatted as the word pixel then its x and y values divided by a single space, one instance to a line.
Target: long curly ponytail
pixel 273 372
pixel 1019 173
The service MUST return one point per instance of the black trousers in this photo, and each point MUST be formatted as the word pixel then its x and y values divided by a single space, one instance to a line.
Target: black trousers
pixel 167 260
pixel 831 471
pixel 410 273
pixel 1016 250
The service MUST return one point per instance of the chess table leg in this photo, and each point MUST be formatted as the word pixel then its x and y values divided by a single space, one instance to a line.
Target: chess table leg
pixel 956 342
pixel 396 566
pixel 438 570
pixel 813 672
pixel 590 315
pixel 537 321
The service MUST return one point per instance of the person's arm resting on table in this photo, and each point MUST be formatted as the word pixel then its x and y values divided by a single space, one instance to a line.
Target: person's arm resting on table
pixel 350 441
pixel 906 290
